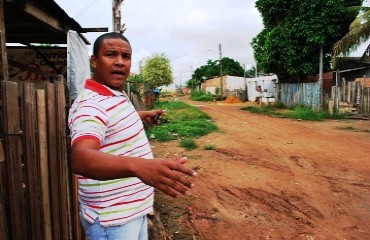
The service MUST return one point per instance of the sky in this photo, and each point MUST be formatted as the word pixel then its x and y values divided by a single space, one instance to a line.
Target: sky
pixel 188 32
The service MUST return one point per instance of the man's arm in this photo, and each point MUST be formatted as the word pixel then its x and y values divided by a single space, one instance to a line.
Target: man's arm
pixel 167 175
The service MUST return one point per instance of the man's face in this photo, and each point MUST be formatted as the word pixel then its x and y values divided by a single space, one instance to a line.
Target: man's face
pixel 113 63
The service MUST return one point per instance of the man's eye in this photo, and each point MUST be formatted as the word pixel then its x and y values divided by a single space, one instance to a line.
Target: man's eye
pixel 110 53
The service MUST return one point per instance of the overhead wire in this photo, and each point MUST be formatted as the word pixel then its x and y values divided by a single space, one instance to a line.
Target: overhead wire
pixel 84 9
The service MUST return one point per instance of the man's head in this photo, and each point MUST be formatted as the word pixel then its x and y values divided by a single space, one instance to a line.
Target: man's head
pixel 112 59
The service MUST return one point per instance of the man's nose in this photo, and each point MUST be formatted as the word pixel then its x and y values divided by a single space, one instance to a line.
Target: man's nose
pixel 120 60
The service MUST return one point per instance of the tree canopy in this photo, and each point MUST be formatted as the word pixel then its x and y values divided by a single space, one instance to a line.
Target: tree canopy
pixel 212 69
pixel 295 30
pixel 157 71
pixel 358 33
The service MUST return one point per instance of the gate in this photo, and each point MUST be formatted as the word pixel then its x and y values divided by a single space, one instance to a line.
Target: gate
pixel 37 189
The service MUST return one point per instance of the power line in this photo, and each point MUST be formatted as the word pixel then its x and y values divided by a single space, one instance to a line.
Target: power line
pixel 85 9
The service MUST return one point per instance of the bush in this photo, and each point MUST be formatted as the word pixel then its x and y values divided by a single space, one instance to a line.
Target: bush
pixel 201 96
pixel 188 144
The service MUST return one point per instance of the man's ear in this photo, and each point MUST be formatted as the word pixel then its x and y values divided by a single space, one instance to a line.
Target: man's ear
pixel 93 61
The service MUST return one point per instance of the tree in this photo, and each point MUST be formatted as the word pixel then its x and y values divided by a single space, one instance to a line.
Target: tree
pixel 251 72
pixel 295 30
pixel 157 71
pixel 137 83
pixel 358 33
pixel 212 69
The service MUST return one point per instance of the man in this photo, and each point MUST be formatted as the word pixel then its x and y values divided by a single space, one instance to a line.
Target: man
pixel 259 91
pixel 111 154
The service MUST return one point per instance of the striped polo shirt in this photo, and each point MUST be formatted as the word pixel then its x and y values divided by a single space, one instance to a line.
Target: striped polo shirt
pixel 108 117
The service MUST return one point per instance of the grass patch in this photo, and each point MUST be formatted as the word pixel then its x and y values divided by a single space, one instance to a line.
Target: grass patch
pixel 305 113
pixel 297 112
pixel 209 147
pixel 267 110
pixel 188 144
pixel 203 96
pixel 182 121
pixel 349 128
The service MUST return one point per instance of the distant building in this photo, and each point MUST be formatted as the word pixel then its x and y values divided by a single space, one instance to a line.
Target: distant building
pixel 243 88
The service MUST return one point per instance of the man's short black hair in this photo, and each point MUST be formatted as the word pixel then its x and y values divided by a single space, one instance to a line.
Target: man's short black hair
pixel 101 38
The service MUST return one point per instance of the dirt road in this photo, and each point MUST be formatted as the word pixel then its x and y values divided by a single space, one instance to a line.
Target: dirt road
pixel 272 178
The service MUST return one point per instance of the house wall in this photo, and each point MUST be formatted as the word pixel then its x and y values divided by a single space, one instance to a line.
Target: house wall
pixel 233 85
pixel 267 83
pixel 210 85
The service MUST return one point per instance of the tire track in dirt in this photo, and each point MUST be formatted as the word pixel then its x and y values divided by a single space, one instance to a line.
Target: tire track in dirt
pixel 273 178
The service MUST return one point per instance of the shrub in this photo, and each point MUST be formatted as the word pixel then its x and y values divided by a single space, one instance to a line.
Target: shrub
pixel 188 143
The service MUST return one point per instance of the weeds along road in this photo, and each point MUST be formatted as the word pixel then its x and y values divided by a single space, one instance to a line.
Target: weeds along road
pixel 273 178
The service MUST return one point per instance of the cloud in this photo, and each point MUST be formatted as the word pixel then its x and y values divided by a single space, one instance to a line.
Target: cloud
pixel 188 32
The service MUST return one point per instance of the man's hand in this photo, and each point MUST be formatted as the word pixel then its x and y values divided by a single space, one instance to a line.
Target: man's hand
pixel 170 176
pixel 153 116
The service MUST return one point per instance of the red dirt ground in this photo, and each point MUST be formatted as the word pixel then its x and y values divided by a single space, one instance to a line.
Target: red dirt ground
pixel 273 178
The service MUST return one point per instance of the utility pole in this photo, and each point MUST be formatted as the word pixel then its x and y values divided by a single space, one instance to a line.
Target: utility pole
pixel 321 92
pixel 221 80
pixel 245 85
pixel 192 80
pixel 116 8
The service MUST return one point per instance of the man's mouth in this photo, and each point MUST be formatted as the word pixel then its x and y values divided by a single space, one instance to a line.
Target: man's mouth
pixel 120 73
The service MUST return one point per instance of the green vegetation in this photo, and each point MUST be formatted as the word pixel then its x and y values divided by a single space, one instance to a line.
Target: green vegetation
pixel 358 33
pixel 298 112
pixel 351 128
pixel 212 69
pixel 209 147
pixel 188 143
pixel 268 110
pixel 295 30
pixel 181 122
pixel 203 96
pixel 305 113
pixel 157 70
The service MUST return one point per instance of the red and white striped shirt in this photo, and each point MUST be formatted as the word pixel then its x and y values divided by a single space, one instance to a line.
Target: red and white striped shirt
pixel 108 117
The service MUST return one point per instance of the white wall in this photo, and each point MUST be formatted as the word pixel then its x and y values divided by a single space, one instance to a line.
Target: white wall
pixel 267 83
pixel 235 83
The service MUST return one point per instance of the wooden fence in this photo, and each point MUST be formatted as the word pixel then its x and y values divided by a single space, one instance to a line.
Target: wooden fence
pixel 348 95
pixel 37 189
pixel 291 94
pixel 352 94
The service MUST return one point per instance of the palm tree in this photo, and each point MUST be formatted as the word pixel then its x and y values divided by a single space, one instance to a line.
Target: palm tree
pixel 359 32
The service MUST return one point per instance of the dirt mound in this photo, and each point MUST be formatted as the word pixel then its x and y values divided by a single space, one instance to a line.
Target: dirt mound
pixel 232 99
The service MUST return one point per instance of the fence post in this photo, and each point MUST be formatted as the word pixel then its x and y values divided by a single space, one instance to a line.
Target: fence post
pixel 31 161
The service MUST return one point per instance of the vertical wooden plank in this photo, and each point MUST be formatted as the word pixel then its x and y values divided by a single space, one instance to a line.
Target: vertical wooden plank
pixel 4 187
pixel 343 87
pixel 31 162
pixel 64 175
pixel 348 93
pixel 13 159
pixel 44 164
pixel 53 161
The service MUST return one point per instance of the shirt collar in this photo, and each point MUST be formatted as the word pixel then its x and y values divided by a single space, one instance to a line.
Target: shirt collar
pixel 99 88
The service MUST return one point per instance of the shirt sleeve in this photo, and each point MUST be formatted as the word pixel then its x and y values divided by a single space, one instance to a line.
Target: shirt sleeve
pixel 87 120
